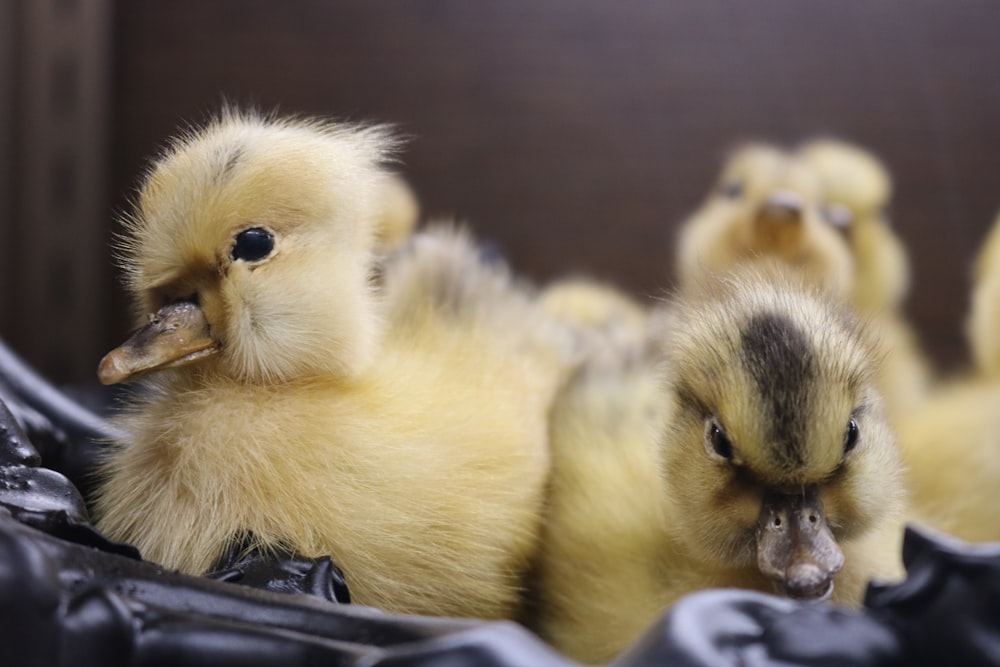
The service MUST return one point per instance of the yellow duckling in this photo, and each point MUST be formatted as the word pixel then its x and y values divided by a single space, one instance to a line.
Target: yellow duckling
pixel 983 326
pixel 766 205
pixel 833 234
pixel 590 306
pixel 856 192
pixel 398 426
pixel 952 443
pixel 952 450
pixel 857 189
pixel 756 455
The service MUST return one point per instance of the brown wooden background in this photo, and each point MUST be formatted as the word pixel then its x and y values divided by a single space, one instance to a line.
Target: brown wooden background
pixel 577 133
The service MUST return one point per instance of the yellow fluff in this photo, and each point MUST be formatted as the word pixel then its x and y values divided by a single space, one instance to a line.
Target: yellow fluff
pixel 952 443
pixel 855 182
pixel 765 205
pixel 983 326
pixel 858 184
pixel 398 425
pixel 600 312
pixel 952 450
pixel 668 478
pixel 401 213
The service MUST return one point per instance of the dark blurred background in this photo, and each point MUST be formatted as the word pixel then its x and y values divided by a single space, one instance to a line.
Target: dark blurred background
pixel 575 134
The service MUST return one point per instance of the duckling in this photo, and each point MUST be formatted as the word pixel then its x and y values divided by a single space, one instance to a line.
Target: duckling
pixel 952 444
pixel 856 193
pixel 834 234
pixel 857 189
pixel 983 325
pixel 587 303
pixel 397 425
pixel 765 205
pixel 755 455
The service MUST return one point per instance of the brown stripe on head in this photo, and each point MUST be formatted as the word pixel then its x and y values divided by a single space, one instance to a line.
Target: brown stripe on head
pixel 779 359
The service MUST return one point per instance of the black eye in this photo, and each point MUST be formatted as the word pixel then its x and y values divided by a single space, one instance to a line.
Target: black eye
pixel 719 442
pixel 253 245
pixel 851 437
pixel 731 190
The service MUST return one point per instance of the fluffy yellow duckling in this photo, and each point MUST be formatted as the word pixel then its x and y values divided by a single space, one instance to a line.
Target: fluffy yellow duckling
pixel 399 427
pixel 756 455
pixel 765 205
pixel 952 450
pixel 856 190
pixel 836 237
pixel 952 443
pixel 983 326
pixel 603 313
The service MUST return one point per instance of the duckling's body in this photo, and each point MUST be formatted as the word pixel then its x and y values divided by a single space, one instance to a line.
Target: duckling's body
pixel 673 478
pixel 952 450
pixel 397 428
pixel 952 444
pixel 591 303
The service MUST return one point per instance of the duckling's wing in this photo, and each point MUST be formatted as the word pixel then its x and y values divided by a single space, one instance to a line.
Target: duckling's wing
pixel 442 276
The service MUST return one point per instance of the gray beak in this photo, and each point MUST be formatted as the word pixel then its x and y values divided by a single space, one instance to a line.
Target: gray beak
pixel 795 547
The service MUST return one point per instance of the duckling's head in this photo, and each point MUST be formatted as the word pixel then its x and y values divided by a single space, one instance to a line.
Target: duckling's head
pixel 765 206
pixel 777 451
pixel 856 189
pixel 250 251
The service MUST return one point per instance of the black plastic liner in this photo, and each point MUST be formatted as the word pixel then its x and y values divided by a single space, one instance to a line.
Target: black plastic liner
pixel 69 596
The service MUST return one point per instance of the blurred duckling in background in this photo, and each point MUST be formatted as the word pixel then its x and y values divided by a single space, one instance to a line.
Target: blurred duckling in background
pixel 952 444
pixel 599 311
pixel 765 205
pixel 857 190
pixel 983 325
pixel 818 210
pixel 755 455
pixel 952 450
pixel 398 426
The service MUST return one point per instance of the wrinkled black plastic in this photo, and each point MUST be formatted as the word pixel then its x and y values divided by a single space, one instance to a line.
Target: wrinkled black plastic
pixel 68 436
pixel 281 572
pixel 68 596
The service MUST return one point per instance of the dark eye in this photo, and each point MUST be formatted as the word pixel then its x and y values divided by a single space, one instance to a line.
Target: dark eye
pixel 851 437
pixel 719 442
pixel 253 245
pixel 731 190
pixel 838 216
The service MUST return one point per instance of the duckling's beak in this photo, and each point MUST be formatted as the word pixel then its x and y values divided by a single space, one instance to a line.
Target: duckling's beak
pixel 795 547
pixel 778 222
pixel 178 334
pixel 783 207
